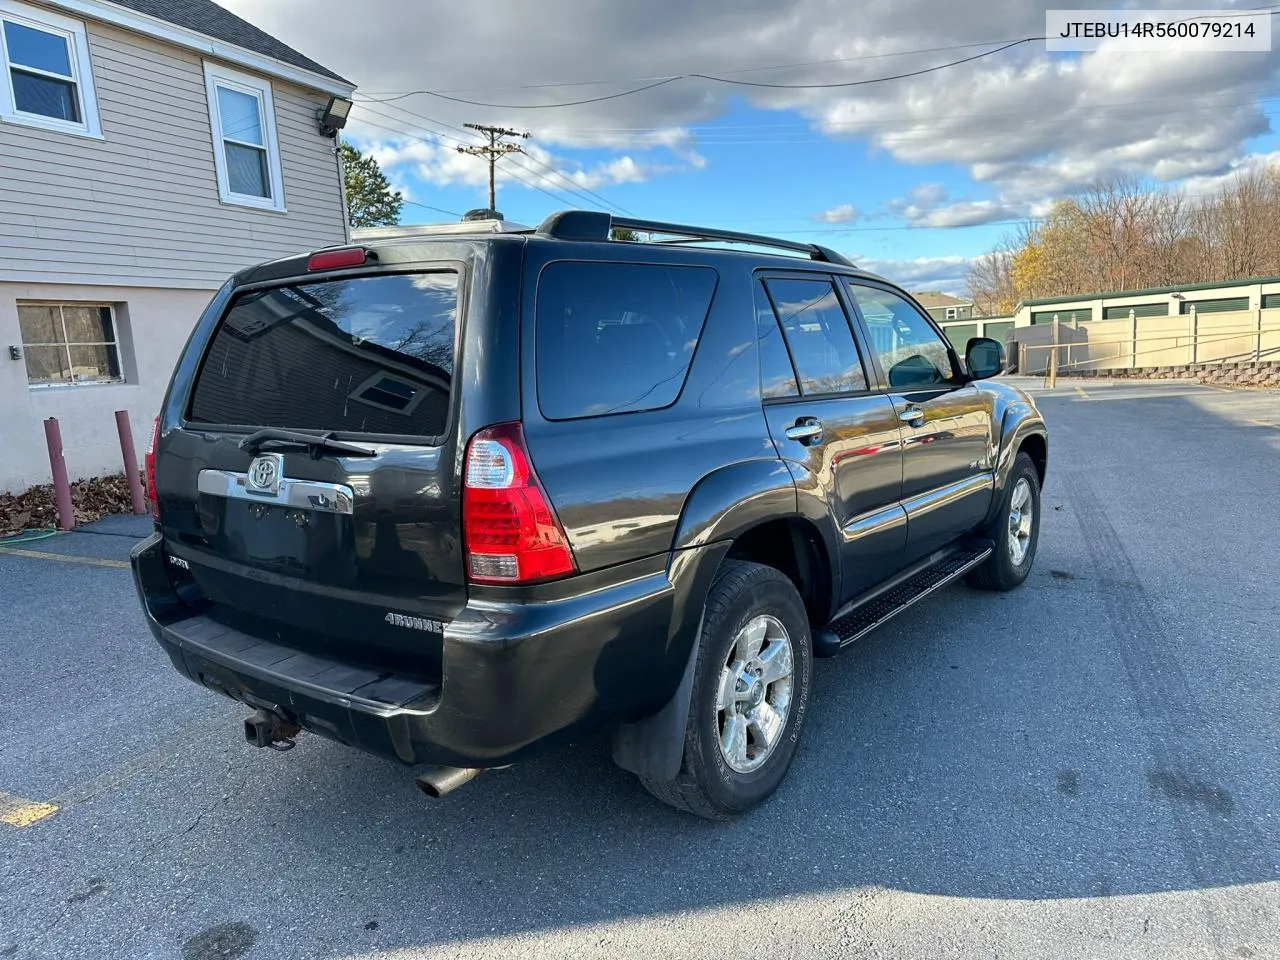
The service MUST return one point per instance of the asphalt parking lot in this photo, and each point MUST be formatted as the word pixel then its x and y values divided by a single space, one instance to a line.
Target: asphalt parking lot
pixel 1086 767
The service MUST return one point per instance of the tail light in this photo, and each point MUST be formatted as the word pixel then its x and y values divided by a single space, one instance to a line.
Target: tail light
pixel 512 534
pixel 149 465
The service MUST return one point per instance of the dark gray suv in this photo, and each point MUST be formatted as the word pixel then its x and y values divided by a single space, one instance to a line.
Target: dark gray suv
pixel 452 493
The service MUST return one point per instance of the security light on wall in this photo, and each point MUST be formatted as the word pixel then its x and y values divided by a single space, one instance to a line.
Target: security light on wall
pixel 333 117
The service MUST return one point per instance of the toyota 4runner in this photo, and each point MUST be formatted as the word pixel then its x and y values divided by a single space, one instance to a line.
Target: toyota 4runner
pixel 450 494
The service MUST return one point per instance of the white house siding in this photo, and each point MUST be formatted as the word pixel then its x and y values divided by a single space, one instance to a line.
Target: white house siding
pixel 141 205
pixel 134 220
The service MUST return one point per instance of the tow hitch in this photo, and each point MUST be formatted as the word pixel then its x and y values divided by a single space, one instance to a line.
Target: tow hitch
pixel 267 729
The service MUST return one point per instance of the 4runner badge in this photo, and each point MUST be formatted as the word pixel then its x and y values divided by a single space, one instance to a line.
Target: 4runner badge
pixel 414 623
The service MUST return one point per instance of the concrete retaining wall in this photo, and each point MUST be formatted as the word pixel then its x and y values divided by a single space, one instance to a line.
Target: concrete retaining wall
pixel 1245 373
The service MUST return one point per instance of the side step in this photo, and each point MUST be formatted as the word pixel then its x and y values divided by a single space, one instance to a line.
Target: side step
pixel 888 603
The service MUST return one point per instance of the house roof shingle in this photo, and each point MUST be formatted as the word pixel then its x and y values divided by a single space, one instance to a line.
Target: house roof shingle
pixel 206 17
pixel 930 299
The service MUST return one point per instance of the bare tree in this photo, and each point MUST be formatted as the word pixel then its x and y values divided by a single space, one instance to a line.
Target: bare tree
pixel 1122 234
pixel 990 283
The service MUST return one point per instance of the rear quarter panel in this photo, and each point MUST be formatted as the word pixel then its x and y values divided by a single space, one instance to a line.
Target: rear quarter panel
pixel 619 483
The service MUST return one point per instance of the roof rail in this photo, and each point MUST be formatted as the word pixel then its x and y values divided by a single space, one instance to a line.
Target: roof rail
pixel 594 225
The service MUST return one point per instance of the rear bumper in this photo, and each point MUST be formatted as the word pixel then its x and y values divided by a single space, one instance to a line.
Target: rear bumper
pixel 514 674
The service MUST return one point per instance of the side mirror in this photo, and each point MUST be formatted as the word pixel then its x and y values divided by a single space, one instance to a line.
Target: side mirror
pixel 984 357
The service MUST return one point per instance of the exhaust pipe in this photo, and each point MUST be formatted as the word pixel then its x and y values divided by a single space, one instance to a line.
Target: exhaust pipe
pixel 267 729
pixel 437 781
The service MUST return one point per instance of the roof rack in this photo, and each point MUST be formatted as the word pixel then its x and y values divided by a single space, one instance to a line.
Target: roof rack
pixel 594 225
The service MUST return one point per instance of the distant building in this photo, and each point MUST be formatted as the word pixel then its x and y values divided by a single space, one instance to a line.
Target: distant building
pixel 943 307
pixel 1231 296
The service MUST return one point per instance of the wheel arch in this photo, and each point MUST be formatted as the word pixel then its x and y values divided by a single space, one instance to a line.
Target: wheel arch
pixel 753 510
pixel 1022 429
pixel 1036 446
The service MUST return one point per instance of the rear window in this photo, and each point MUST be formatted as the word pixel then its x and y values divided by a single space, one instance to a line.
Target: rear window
pixel 362 355
pixel 616 337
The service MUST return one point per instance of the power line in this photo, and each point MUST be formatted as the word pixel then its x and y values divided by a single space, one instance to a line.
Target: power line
pixel 705 134
pixel 517 106
pixel 861 83
pixel 658 81
pixel 409 135
pixel 705 76
pixel 427 206
pixel 1223 14
pixel 576 188
pixel 954 226
pixel 761 69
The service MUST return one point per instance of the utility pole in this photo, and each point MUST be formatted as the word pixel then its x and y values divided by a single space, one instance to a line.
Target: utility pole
pixel 496 148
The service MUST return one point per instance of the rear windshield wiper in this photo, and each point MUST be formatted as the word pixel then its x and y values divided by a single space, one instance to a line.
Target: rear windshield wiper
pixel 276 439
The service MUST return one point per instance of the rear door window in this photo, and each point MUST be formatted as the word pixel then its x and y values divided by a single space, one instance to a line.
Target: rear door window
pixel 616 337
pixel 369 355
pixel 777 377
pixel 818 336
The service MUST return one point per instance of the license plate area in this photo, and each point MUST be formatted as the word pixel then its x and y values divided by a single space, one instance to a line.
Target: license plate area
pixel 302 529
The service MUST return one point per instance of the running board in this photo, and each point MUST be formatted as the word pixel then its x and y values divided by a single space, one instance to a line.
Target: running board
pixel 864 618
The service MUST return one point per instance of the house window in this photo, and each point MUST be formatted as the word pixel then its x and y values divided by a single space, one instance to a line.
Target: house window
pixel 69 343
pixel 246 153
pixel 47 81
pixel 952 313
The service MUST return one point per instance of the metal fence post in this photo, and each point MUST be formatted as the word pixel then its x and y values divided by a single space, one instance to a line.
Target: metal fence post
pixel 61 485
pixel 1053 355
pixel 1133 328
pixel 130 462
pixel 1195 332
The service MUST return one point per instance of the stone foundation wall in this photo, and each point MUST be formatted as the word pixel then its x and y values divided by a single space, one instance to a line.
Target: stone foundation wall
pixel 1245 373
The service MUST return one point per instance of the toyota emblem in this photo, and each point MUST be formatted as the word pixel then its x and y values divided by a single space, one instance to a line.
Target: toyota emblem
pixel 264 473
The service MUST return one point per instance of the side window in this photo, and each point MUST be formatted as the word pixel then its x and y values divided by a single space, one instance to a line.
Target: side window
pixel 777 377
pixel 246 154
pixel 616 337
pixel 45 76
pixel 911 352
pixel 818 336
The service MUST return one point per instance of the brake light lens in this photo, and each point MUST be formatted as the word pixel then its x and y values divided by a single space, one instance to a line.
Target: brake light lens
pixel 333 259
pixel 512 533
pixel 149 465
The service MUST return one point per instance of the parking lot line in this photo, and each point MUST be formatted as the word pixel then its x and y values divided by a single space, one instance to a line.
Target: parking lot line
pixel 19 812
pixel 1080 390
pixel 66 558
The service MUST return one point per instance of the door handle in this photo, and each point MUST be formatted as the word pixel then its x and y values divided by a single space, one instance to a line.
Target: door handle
pixel 912 416
pixel 807 430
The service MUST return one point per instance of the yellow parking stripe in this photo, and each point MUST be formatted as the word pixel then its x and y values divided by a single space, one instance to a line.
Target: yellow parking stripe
pixel 1080 390
pixel 41 555
pixel 19 812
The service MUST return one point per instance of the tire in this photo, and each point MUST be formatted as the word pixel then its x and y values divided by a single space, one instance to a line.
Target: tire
pixel 713 783
pixel 1004 570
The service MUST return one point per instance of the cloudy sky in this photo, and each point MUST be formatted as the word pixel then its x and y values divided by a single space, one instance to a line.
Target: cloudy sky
pixel 912 176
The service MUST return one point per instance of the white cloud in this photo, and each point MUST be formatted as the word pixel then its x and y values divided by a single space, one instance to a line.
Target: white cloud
pixel 966 213
pixel 1027 127
pixel 928 194
pixel 844 213
pixel 437 161
pixel 924 273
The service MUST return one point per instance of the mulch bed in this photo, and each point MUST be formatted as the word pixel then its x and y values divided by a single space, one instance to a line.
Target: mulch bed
pixel 36 509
